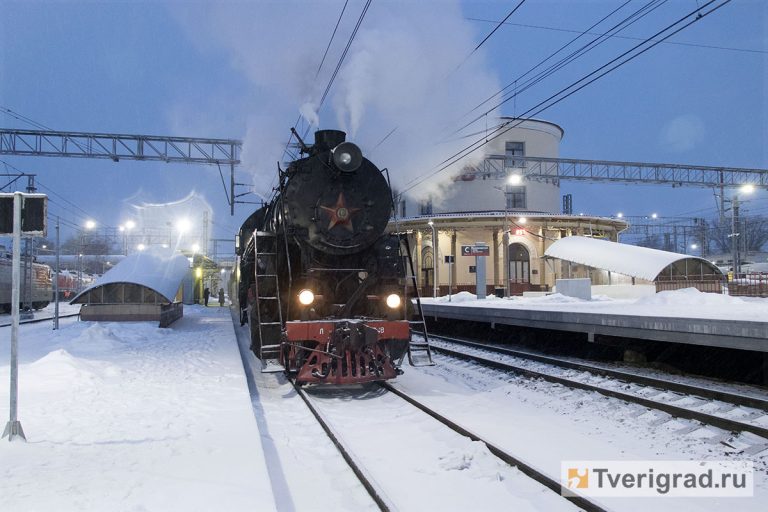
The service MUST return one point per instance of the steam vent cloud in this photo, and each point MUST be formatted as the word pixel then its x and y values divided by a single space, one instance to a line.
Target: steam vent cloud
pixel 405 71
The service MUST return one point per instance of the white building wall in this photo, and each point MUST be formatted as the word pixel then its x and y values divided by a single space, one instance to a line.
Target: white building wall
pixel 486 193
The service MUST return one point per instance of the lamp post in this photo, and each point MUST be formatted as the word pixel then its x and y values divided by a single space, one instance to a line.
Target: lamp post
pixel 124 229
pixel 735 248
pixel 435 260
pixel 89 225
pixel 513 179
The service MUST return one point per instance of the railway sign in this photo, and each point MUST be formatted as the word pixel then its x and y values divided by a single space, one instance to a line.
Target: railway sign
pixel 475 250
pixel 34 211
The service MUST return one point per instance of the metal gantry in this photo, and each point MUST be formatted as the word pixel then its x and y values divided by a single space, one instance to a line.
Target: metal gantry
pixel 677 175
pixel 118 147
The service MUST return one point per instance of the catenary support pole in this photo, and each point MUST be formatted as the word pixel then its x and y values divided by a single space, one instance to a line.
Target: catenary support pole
pixel 13 428
pixel 56 282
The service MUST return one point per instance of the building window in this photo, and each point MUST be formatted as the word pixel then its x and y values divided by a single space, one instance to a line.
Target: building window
pixel 515 198
pixel 426 207
pixel 512 150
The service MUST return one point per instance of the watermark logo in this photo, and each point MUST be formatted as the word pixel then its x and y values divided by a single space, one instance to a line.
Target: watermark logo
pixel 650 478
pixel 578 478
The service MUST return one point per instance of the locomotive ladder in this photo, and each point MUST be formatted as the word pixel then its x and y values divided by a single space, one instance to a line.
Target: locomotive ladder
pixel 419 353
pixel 269 316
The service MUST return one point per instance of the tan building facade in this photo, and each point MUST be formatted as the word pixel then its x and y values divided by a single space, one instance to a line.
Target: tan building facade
pixel 516 244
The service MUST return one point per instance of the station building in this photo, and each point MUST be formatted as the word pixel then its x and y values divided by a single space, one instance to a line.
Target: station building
pixel 493 204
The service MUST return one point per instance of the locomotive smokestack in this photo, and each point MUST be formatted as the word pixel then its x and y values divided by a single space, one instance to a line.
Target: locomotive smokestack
pixel 328 139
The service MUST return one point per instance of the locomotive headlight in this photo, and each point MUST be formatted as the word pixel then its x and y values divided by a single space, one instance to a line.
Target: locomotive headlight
pixel 347 157
pixel 393 301
pixel 306 297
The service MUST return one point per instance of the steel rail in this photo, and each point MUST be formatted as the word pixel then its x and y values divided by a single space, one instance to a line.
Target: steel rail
pixel 38 320
pixel 526 469
pixel 663 384
pixel 378 497
pixel 673 410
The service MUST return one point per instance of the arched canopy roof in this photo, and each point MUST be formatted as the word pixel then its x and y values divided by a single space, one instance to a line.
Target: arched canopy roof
pixel 630 260
pixel 159 271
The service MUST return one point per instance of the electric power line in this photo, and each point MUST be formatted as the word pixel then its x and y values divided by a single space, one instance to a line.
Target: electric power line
pixel 556 98
pixel 677 43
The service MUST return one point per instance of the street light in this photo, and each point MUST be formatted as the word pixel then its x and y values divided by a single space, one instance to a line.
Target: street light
pixel 745 189
pixel 89 225
pixel 505 232
pixel 514 179
pixel 435 261
pixel 183 225
pixel 124 228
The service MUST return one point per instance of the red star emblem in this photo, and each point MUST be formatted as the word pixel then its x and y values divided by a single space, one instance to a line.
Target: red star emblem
pixel 340 214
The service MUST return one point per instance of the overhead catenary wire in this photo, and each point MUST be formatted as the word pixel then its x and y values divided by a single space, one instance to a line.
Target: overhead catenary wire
pixel 286 151
pixel 344 53
pixel 477 47
pixel 574 87
pixel 481 43
pixel 626 22
pixel 630 38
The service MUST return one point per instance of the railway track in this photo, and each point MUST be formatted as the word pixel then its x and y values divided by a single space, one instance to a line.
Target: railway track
pixel 379 495
pixel 38 320
pixel 708 406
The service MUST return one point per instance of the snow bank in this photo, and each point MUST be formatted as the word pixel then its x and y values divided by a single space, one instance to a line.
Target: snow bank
pixel 690 296
pixel 686 303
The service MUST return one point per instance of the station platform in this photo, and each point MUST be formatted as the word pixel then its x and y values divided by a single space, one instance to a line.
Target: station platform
pixel 734 330
pixel 129 416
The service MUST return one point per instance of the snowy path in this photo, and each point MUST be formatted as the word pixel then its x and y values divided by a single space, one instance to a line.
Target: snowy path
pixel 127 416
pixel 544 424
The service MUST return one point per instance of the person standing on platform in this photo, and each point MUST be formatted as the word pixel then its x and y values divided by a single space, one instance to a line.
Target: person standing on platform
pixel 221 297
pixel 206 295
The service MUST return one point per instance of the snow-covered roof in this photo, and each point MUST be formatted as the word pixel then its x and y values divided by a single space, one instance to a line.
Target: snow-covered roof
pixel 630 260
pixel 161 271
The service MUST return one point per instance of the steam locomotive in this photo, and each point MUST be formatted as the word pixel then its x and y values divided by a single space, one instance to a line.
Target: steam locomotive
pixel 322 287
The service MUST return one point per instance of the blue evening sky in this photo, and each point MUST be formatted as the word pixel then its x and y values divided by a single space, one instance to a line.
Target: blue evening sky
pixel 244 69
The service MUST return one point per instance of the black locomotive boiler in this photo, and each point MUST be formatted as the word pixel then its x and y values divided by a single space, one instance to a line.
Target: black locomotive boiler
pixel 323 288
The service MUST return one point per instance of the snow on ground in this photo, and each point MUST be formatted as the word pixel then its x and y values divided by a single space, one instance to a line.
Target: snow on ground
pixel 544 424
pixel 685 303
pixel 127 416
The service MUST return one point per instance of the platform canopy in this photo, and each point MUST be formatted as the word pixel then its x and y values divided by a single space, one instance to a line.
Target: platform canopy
pixel 630 260
pixel 143 277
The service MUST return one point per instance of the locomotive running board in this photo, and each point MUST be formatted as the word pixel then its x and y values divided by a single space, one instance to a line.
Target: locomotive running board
pixel 271 366
pixel 270 362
